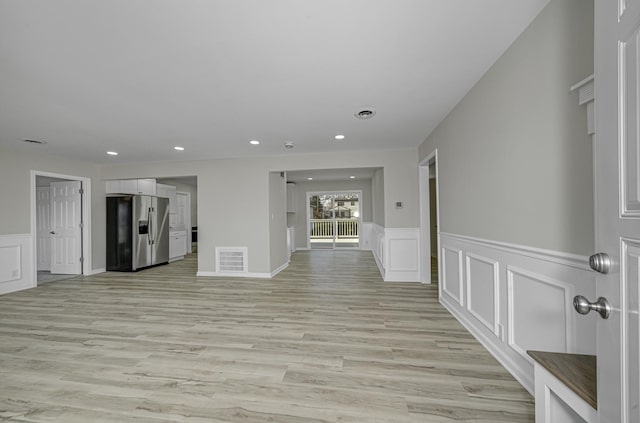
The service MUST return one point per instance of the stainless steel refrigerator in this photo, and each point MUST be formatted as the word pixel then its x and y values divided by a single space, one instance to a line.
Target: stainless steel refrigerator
pixel 137 232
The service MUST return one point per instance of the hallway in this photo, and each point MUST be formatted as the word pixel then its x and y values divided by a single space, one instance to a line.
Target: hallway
pixel 326 340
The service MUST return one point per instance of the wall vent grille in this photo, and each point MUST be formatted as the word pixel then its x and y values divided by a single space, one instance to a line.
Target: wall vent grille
pixel 231 260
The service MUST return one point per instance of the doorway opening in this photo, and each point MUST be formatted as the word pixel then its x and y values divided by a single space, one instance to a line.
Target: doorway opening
pixel 60 226
pixel 334 219
pixel 429 219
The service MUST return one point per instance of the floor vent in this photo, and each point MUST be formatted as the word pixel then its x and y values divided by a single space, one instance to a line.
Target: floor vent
pixel 231 260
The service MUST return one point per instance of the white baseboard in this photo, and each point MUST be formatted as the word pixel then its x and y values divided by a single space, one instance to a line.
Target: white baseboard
pixel 280 269
pixel 96 271
pixel 523 377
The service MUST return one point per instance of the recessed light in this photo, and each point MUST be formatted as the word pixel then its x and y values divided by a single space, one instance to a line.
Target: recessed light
pixel 309 179
pixel 254 142
pixel 339 137
pixel 288 144
pixel 177 147
pixel 352 177
pixel 112 153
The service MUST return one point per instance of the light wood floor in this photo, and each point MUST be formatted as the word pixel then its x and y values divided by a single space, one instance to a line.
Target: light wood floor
pixel 324 341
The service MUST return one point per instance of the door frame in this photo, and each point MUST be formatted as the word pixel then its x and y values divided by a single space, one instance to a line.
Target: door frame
pixel 187 218
pixel 308 224
pixel 425 222
pixel 87 266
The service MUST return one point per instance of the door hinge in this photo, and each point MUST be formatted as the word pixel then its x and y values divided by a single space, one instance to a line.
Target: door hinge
pixel 81 191
pixel 81 259
pixel 82 225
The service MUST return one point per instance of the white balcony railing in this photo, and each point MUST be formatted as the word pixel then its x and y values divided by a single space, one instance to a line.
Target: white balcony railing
pixel 338 228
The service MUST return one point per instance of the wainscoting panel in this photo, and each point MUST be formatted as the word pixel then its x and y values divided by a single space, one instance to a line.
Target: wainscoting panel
pixel 15 263
pixel 516 298
pixel 483 301
pixel 397 253
pixel 452 273
pixel 541 325
pixel 403 254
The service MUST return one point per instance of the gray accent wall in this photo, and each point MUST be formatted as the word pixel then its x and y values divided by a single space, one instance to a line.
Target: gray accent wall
pixel 514 157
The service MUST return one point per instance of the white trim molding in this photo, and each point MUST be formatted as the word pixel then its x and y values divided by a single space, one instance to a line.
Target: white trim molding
pixel 517 298
pixel 586 95
pixel 16 272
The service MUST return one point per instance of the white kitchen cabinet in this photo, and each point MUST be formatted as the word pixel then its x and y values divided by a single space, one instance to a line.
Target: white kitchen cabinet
pixel 131 186
pixel 291 197
pixel 177 245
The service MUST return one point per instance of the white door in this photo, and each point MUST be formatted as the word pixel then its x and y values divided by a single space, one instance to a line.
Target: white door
pixel 66 227
pixel 617 187
pixel 43 228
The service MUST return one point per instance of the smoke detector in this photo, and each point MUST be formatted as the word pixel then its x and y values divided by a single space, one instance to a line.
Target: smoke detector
pixel 366 113
pixel 288 145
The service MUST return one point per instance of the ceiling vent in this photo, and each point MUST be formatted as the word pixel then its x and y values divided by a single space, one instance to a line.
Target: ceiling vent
pixel 35 141
pixel 231 260
pixel 367 113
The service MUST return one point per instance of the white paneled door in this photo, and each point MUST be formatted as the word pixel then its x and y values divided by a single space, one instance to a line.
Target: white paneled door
pixel 617 175
pixel 66 227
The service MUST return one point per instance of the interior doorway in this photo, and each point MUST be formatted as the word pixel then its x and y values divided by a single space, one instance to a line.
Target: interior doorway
pixel 60 226
pixel 429 219
pixel 334 219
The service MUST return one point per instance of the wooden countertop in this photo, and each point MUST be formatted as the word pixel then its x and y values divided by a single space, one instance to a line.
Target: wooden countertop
pixel 577 371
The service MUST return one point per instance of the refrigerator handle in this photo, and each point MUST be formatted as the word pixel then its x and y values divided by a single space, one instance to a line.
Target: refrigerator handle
pixel 150 228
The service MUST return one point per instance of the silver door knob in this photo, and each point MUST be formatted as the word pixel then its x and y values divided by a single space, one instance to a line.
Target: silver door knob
pixel 583 306
pixel 600 262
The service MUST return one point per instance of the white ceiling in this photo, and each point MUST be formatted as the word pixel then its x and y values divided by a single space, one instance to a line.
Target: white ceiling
pixel 141 76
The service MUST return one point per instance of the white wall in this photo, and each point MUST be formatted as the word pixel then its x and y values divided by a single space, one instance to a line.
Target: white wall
pixel 514 157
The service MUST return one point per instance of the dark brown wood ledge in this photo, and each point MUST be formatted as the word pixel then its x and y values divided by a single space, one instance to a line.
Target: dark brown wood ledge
pixel 577 371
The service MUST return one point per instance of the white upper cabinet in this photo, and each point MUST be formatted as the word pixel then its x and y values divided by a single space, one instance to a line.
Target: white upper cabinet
pixel 131 186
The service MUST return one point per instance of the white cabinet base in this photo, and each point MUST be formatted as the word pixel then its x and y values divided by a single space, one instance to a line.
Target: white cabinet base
pixel 177 245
